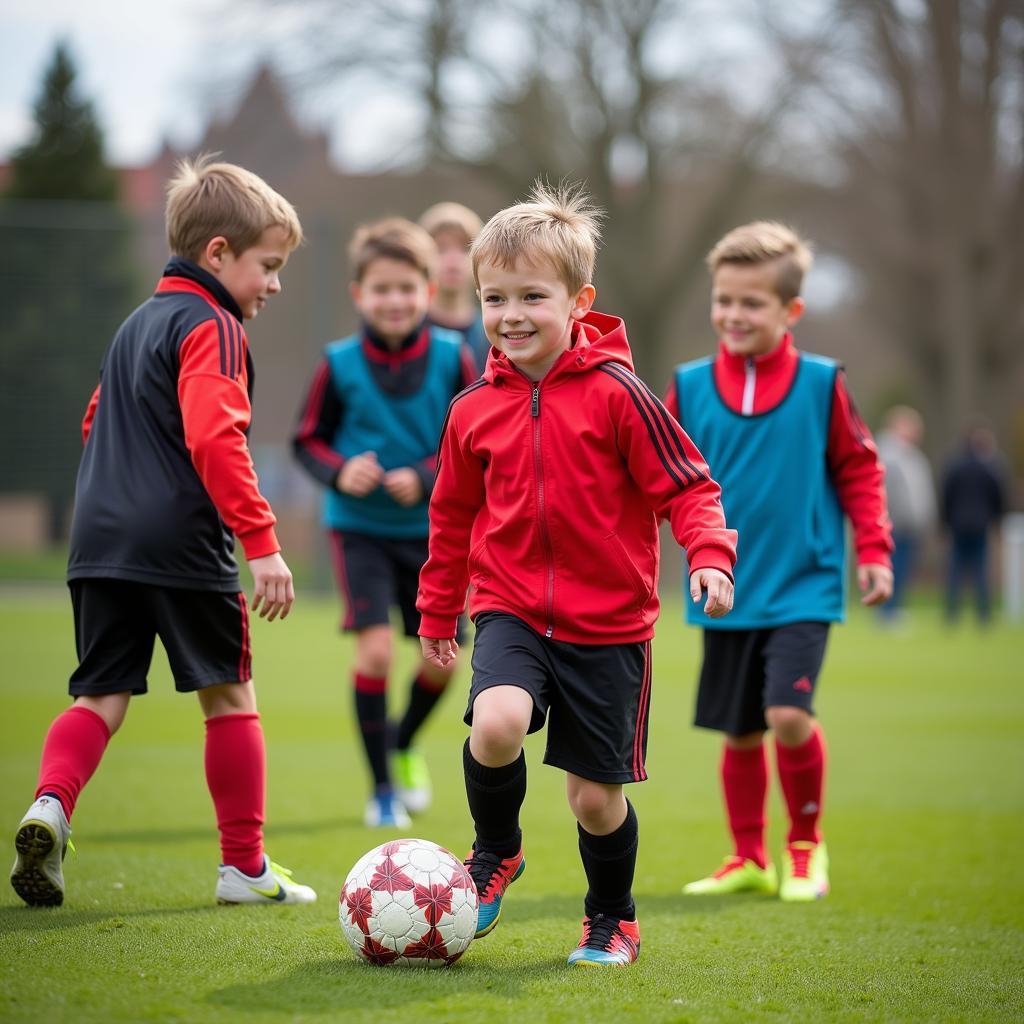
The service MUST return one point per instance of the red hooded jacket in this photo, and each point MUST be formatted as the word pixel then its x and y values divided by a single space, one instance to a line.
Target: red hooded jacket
pixel 548 497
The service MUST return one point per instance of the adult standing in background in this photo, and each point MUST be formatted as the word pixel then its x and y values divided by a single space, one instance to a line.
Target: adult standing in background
pixel 974 500
pixel 910 491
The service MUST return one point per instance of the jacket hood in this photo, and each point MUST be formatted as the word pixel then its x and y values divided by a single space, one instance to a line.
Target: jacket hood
pixel 597 338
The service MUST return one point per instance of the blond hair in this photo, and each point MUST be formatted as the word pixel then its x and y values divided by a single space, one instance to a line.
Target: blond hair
pixel 451 217
pixel 206 199
pixel 557 225
pixel 767 241
pixel 393 238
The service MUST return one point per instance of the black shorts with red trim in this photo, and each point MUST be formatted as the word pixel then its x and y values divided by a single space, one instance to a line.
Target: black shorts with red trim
pixel 376 574
pixel 204 632
pixel 595 697
pixel 748 670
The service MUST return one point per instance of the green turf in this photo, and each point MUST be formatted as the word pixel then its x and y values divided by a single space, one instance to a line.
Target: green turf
pixel 924 811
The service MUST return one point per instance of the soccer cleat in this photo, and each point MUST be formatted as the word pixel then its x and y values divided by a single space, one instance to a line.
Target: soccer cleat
pixel 275 885
pixel 607 941
pixel 736 875
pixel 40 843
pixel 412 780
pixel 385 810
pixel 492 876
pixel 804 872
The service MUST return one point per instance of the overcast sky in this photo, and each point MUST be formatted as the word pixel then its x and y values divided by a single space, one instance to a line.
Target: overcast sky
pixel 135 63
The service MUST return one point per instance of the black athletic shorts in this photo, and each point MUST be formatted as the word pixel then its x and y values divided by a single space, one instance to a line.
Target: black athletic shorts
pixel 748 670
pixel 376 574
pixel 596 696
pixel 204 632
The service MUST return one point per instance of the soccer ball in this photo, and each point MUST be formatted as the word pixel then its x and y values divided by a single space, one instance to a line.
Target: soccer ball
pixel 409 902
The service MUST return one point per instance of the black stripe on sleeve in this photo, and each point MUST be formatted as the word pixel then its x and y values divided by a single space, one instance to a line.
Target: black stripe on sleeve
pixel 241 346
pixel 223 346
pixel 658 421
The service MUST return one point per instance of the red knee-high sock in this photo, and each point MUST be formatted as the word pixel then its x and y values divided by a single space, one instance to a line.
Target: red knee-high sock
pixel 71 753
pixel 745 784
pixel 802 774
pixel 236 766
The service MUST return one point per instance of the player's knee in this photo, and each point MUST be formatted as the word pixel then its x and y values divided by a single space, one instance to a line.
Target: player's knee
pixel 792 726
pixel 497 735
pixel 595 805
pixel 374 652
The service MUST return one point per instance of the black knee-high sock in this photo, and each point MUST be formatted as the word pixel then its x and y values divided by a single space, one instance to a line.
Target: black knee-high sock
pixel 423 696
pixel 495 796
pixel 609 862
pixel 371 714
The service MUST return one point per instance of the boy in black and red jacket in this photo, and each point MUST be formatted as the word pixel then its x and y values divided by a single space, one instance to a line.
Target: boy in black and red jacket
pixel 165 484
pixel 553 472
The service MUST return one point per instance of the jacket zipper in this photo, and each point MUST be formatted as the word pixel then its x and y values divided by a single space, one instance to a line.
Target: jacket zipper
pixel 545 537
pixel 749 386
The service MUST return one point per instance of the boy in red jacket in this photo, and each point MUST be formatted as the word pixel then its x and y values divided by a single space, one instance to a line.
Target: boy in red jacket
pixel 553 472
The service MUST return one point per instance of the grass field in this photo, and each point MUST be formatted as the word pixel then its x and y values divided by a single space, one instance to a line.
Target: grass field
pixel 923 816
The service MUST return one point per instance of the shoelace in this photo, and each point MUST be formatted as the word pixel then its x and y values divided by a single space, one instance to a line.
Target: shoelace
pixel 801 861
pixel 484 868
pixel 602 931
pixel 278 870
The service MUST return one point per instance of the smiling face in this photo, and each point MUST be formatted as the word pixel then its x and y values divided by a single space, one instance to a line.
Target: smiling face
pixel 252 276
pixel 747 312
pixel 528 313
pixel 393 297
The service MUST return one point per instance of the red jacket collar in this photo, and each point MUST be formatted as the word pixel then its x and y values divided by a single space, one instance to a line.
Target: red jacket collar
pixel 783 355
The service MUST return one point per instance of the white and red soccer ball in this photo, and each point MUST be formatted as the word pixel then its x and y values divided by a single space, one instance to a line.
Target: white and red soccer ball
pixel 409 902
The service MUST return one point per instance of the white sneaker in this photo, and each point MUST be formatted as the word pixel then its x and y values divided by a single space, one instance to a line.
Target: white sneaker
pixel 41 843
pixel 385 810
pixel 275 885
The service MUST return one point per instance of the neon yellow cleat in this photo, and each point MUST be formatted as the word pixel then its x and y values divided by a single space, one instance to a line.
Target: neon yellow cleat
pixel 412 779
pixel 736 875
pixel 804 872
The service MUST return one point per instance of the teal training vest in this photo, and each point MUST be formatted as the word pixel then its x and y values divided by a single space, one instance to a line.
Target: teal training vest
pixel 777 493
pixel 402 429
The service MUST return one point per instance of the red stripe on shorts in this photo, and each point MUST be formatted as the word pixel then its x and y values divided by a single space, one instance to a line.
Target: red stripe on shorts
pixel 245 659
pixel 639 771
pixel 338 551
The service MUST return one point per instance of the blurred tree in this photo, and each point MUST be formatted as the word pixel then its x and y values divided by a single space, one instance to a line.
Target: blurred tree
pixel 66 281
pixel 932 141
pixel 617 94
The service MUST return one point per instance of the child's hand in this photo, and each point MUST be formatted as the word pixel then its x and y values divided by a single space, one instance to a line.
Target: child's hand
pixel 719 588
pixel 875 582
pixel 439 652
pixel 273 593
pixel 404 485
pixel 360 475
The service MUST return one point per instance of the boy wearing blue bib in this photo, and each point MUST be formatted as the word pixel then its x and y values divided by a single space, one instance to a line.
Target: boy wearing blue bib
pixel 779 430
pixel 368 432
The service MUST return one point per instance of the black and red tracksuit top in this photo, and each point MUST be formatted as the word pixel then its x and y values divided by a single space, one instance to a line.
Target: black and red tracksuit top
pixel 548 497
pixel 166 476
